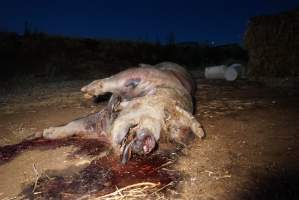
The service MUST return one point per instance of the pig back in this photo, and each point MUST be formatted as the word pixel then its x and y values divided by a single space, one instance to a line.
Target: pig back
pixel 179 73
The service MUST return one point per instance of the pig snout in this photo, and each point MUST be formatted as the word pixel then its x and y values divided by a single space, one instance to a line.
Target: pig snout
pixel 144 142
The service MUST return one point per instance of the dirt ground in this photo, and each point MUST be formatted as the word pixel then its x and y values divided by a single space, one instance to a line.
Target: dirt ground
pixel 250 152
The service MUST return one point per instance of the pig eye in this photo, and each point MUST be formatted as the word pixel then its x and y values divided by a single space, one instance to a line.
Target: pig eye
pixel 132 83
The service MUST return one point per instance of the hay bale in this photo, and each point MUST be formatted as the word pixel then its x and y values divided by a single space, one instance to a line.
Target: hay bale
pixel 273 44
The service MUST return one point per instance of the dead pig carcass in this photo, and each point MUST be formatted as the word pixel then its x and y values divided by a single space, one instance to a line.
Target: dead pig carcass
pixel 147 103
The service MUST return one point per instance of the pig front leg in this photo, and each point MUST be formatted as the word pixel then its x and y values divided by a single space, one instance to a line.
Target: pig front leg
pixel 89 127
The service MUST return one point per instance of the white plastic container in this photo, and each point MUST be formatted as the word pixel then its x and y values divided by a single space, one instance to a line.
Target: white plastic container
pixel 240 69
pixel 230 73
pixel 215 72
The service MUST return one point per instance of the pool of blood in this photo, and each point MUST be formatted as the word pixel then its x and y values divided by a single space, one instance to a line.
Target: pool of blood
pixel 100 177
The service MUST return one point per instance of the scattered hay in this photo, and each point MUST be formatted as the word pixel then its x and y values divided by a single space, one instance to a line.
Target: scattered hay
pixel 142 190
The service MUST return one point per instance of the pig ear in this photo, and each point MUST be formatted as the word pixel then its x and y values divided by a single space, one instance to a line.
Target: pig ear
pixel 132 83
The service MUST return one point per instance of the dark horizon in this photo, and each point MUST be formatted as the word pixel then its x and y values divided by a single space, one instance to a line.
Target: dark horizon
pixel 212 21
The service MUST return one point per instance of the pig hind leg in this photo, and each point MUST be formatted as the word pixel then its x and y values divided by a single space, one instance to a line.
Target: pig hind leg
pixel 181 135
pixel 189 120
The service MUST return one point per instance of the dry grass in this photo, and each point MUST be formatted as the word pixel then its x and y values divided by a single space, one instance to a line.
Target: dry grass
pixel 143 190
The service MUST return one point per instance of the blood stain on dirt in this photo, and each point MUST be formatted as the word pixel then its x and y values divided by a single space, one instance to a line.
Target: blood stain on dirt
pixel 100 177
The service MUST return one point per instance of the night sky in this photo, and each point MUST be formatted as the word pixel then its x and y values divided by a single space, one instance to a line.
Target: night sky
pixel 220 21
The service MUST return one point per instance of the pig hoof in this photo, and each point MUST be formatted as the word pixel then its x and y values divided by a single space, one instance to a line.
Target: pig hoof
pixel 50 133
pixel 34 136
pixel 198 131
